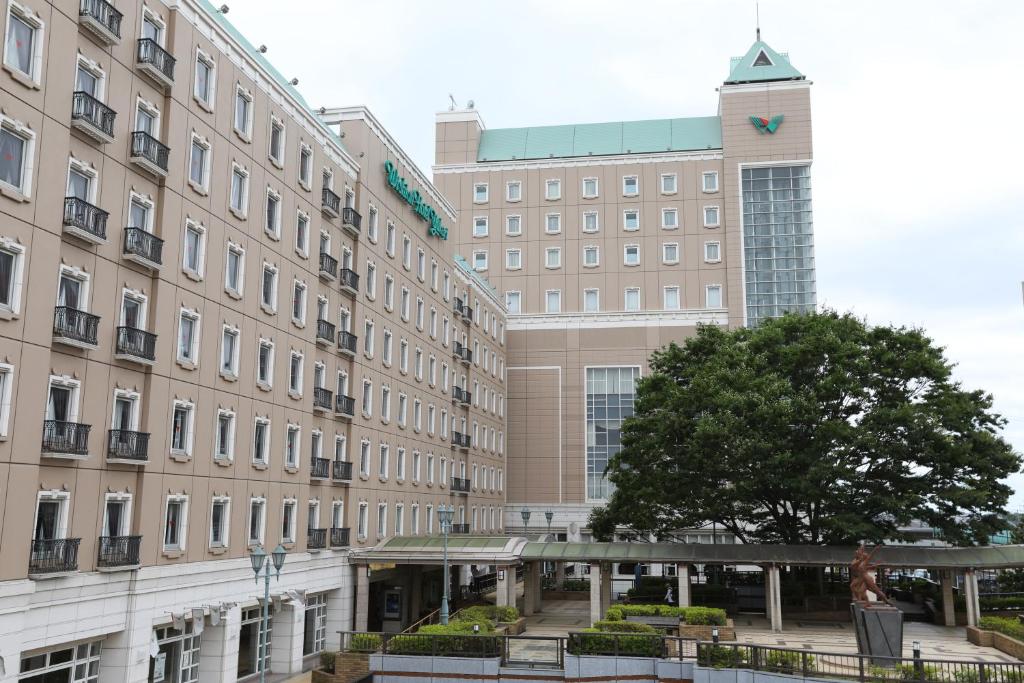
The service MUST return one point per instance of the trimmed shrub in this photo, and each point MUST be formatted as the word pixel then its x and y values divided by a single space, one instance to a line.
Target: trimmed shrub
pixel 454 641
pixel 492 613
pixel 364 642
pixel 1008 626
pixel 721 657
pixel 576 585
pixel 907 672
pixel 701 616
pixel 590 641
pixel 327 661
pixel 623 627
pixel 1012 602
pixel 787 662
pixel 711 616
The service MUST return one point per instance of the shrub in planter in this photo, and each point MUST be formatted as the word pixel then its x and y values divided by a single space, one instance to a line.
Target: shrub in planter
pixel 700 616
pixel 1008 626
pixel 458 627
pixel 364 642
pixel 721 657
pixel 576 585
pixel 785 662
pixel 706 616
pixel 494 613
pixel 327 661
pixel 454 640
pixel 623 627
pixel 591 641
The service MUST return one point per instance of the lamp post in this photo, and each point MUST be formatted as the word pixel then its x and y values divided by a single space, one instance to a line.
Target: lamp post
pixel 445 515
pixel 258 558
pixel 525 514
pixel 549 515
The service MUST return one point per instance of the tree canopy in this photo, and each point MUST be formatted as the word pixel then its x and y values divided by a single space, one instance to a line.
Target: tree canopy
pixel 809 429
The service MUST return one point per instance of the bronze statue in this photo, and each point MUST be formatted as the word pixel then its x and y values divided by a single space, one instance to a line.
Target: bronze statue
pixel 861 580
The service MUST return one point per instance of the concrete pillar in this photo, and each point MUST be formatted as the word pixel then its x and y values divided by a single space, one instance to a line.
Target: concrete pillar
pixel 506 576
pixel 538 588
pixel 773 597
pixel 339 610
pixel 529 588
pixel 971 593
pixel 218 651
pixel 559 575
pixel 286 639
pixel 595 592
pixel 948 604
pixel 683 576
pixel 606 588
pixel 362 597
pixel 511 584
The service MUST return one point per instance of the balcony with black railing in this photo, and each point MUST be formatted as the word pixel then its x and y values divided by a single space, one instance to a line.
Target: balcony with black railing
pixel 347 343
pixel 102 19
pixel 85 221
pixel 74 327
pixel 124 445
pixel 155 61
pixel 462 353
pixel 462 528
pixel 118 552
pixel 460 440
pixel 92 117
pixel 460 485
pixel 345 406
pixel 63 439
pixel 324 332
pixel 330 203
pixel 149 153
pixel 467 314
pixel 135 345
pixel 339 537
pixel 322 398
pixel 351 220
pixel 341 471
pixel 316 539
pixel 457 305
pixel 328 266
pixel 143 247
pixel 53 556
pixel 348 280
pixel 457 393
pixel 320 468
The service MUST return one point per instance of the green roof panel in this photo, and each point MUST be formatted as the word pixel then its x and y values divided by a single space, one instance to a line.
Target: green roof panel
pixel 646 136
pixel 760 64
pixel 594 139
pixel 549 141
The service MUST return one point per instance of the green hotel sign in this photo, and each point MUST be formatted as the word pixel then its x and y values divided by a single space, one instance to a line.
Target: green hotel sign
pixel 416 201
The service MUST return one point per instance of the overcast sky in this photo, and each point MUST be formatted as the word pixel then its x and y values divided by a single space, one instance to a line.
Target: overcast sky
pixel 917 110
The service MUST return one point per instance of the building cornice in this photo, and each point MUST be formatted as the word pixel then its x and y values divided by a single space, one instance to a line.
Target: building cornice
pixel 580 321
pixel 764 85
pixel 575 162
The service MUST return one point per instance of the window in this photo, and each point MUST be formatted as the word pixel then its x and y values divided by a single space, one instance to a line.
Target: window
pixel 713 296
pixel 257 520
pixel 361 523
pixel 265 363
pixel 553 257
pixel 513 259
pixel 553 301
pixel 513 302
pixel 709 181
pixel 239 191
pixel 670 253
pixel 224 448
pixel 591 256
pixel 295 373
pixel 631 299
pixel 418 364
pixel 182 422
pixel 591 301
pixel 669 219
pixel 364 458
pixel 389 242
pixel 433 274
pixel 291 446
pixel 273 224
pixel 268 294
pixel 479 193
pixel 386 352
pixel 631 219
pixel 406 252
pixel 305 165
pixel 399 519
pixel 385 403
pixel 480 226
pixel 590 222
pixel 229 350
pixel 24 44
pixel 513 225
pixel 17 153
pixel 480 259
pixel 206 80
pixel 671 302
pixel 712 252
pixel 243 112
pixel 404 304
pixel 589 188
pixel 630 186
pixel 613 389
pixel 194 253
pixel 12 262
pixel 382 520
pixel 199 164
pixel 419 314
pixel 631 255
pixel 261 441
pixel 371 281
pixel 553 223
pixel 513 191
pixel 299 303
pixel 277 138
pixel 175 523
pixel 669 183
pixel 368 328
pixel 403 409
pixel 220 510
pixel 710 216
pixel 6 391
pixel 552 189
pixel 188 337
pixel 234 269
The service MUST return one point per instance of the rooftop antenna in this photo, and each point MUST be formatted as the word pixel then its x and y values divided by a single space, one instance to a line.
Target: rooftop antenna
pixel 451 107
pixel 757 14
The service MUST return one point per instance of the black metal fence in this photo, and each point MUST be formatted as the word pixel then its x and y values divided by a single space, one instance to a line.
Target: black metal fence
pixel 66 438
pixel 144 245
pixel 348 279
pixel 340 537
pixel 351 218
pixel 328 264
pixel 80 214
pixel 341 470
pixel 316 539
pixel 124 444
pixel 325 330
pixel 85 107
pixel 118 551
pixel 150 52
pixel 345 405
pixel 103 12
pixel 53 555
pixel 330 201
pixel 135 342
pixel 347 342
pixel 320 468
pixel 71 323
pixel 145 146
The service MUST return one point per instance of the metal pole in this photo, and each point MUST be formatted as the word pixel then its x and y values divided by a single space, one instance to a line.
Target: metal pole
pixel 447 581
pixel 263 623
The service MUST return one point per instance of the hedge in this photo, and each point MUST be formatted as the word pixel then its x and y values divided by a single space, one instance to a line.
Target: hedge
pixel 1008 626
pixel 785 662
pixel 1000 602
pixel 454 645
pixel 710 616
pixel 494 613
pixel 591 641
pixel 458 627
pixel 364 642
pixel 721 657
pixel 613 626
pixel 576 585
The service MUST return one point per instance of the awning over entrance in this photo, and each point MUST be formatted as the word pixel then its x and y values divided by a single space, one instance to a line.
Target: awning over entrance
pixel 428 550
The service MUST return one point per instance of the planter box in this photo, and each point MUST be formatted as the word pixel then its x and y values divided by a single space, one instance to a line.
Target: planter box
pixel 1003 643
pixel 513 628
pixel 726 634
pixel 347 666
pixel 579 596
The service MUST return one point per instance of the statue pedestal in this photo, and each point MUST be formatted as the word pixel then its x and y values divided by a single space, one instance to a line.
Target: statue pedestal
pixel 879 629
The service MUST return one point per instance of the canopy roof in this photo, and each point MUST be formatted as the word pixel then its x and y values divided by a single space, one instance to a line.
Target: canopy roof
pixel 430 550
pixel 760 64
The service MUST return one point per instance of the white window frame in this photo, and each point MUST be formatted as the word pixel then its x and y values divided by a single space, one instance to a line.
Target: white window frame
pixel 557 252
pixel 18 253
pixel 269 381
pixel 230 372
pixel 704 185
pixel 625 255
pixel 625 299
pixel 558 223
pixel 555 183
pixel 305 172
pixel 664 253
pixel 718 247
pixel 547 294
pixel 239 251
pixel 665 213
pixel 508 225
pixel 295 380
pixel 242 212
pixel 636 181
pixel 625 226
pixel 508 191
pixel 597 297
pixel 477 253
pixel 508 255
pixel 718 215
pixel 264 457
pixel 207 100
pixel 596 249
pixel 198 227
pixel 260 536
pixel 476 193
pixel 481 228
pixel 272 306
pixel 6 393
pixel 707 291
pixel 303 288
pixel 245 94
pixel 232 430
pixel 675 183
pixel 182 526
pixel 38 26
pixel 597 187
pixel 190 435
pixel 193 359
pixel 277 161
pixel 664 297
pixel 273 230
pixel 597 222
pixel 225 522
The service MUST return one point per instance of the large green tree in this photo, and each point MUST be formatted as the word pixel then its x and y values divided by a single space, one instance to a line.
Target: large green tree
pixel 809 429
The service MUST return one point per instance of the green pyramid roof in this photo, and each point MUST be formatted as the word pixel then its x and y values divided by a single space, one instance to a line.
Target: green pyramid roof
pixel 760 64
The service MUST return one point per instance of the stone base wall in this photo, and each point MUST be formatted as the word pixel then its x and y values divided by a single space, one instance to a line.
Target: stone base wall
pixel 1003 643
pixel 726 634
pixel 580 596
pixel 348 666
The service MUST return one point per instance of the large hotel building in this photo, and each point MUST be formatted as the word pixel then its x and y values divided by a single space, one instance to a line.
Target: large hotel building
pixel 230 320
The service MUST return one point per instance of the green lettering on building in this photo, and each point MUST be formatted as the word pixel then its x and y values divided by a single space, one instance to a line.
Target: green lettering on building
pixel 416 201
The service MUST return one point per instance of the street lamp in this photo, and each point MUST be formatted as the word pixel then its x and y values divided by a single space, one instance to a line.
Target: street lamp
pixel 258 558
pixel 549 515
pixel 525 514
pixel 445 515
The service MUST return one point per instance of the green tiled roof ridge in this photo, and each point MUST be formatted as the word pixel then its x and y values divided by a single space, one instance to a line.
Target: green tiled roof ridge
pixel 742 69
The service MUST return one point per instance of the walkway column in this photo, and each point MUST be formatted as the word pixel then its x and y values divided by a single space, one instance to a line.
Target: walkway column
pixel 595 592
pixel 606 588
pixel 683 575
pixel 773 597
pixel 506 578
pixel 948 604
pixel 529 582
pixel 971 593
pixel 362 597
pixel 286 638
pixel 538 587
pixel 218 656
pixel 559 575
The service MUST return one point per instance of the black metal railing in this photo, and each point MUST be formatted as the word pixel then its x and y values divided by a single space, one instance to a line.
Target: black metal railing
pixel 118 551
pixel 53 555
pixel 102 12
pixel 316 539
pixel 150 52
pixel 467 313
pixel 347 341
pixel 328 264
pixel 339 537
pixel 459 528
pixel 322 398
pixel 320 468
pixel 144 245
pixel 341 470
pixel 135 342
pixel 330 201
pixel 348 279
pixel 351 217
pixel 125 444
pixel 467 397
pixel 65 437
pixel 80 214
pixel 145 146
pixel 460 485
pixel 71 323
pixel 460 440
pixel 325 330
pixel 345 405
pixel 85 107
pixel 457 305
pixel 457 394
pixel 462 353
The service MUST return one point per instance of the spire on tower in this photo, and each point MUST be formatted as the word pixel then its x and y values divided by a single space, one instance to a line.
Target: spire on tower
pixel 757 13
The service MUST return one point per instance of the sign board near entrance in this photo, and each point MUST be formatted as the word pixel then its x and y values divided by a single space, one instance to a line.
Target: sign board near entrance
pixel 416 201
